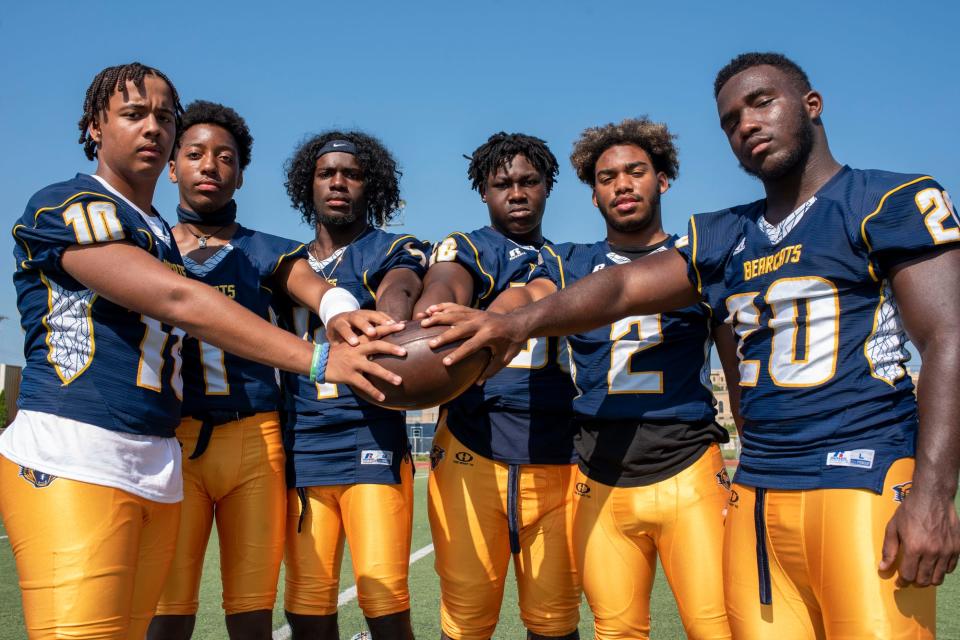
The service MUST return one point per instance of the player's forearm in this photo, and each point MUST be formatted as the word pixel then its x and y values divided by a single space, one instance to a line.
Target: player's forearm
pixel 397 297
pixel 512 298
pixel 303 284
pixel 938 439
pixel 439 290
pixel 655 284
pixel 207 314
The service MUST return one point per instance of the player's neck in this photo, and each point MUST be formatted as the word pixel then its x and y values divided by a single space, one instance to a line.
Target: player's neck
pixel 786 194
pixel 139 193
pixel 636 239
pixel 329 238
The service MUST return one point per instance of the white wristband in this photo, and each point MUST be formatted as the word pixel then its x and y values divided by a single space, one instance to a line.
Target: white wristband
pixel 336 301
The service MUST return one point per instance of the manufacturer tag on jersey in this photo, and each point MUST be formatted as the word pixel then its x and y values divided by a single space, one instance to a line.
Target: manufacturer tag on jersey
pixel 860 458
pixel 374 456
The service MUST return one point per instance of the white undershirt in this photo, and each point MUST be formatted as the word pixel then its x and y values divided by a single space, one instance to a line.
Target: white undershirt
pixel 146 466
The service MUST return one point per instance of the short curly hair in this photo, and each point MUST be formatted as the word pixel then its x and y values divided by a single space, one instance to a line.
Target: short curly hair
pixel 381 176
pixel 752 59
pixel 501 148
pixel 204 112
pixel 652 137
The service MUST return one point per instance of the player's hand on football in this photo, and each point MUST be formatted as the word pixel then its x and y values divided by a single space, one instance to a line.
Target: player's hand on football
pixel 351 326
pixel 501 334
pixel 349 365
pixel 924 536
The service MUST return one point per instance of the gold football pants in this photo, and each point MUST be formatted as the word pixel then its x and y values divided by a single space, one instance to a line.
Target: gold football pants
pixel 823 547
pixel 377 522
pixel 469 511
pixel 91 559
pixel 620 531
pixel 239 480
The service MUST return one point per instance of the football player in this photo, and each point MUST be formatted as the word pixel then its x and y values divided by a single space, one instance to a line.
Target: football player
pixel 842 511
pixel 502 473
pixel 240 481
pixel 90 479
pixel 651 477
pixel 350 474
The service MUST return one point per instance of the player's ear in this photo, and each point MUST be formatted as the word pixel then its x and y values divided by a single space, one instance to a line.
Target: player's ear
pixel 813 103
pixel 594 197
pixel 240 179
pixel 93 130
pixel 172 171
pixel 662 182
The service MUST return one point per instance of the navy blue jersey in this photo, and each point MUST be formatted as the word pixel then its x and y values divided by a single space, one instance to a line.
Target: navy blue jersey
pixel 522 414
pixel 825 394
pixel 242 270
pixel 87 358
pixel 648 368
pixel 332 436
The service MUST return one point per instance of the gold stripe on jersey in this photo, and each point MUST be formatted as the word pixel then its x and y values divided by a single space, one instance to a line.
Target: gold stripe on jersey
pixel 395 242
pixel 563 280
pixel 863 224
pixel 284 256
pixel 493 282
pixel 693 253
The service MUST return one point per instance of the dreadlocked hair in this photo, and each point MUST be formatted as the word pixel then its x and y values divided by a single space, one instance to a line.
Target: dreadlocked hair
pixel 652 137
pixel 746 61
pixel 204 112
pixel 381 176
pixel 108 82
pixel 501 148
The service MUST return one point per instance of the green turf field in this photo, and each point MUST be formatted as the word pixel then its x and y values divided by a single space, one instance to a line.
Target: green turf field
pixel 425 596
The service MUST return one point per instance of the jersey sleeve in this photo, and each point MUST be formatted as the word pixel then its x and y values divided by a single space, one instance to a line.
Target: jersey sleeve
pixel 460 248
pixel 272 252
pixel 550 265
pixel 54 222
pixel 403 252
pixel 907 221
pixel 705 248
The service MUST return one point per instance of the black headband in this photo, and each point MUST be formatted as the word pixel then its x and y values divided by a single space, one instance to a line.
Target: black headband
pixel 340 146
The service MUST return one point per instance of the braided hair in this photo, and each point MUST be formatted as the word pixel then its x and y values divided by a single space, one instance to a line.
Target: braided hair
pixel 108 82
pixel 501 148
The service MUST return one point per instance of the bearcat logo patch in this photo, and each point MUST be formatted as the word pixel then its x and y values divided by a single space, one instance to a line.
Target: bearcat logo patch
pixel 436 455
pixel 723 479
pixel 902 490
pixel 38 479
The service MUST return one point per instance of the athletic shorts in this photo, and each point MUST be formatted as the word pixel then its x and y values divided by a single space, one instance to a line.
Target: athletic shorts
pixel 91 559
pixel 821 549
pixel 482 512
pixel 239 481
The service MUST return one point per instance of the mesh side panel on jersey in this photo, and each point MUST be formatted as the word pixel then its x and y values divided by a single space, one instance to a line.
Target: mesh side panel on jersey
pixel 69 330
pixel 885 348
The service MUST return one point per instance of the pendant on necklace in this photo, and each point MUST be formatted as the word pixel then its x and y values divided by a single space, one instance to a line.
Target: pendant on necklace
pixel 202 241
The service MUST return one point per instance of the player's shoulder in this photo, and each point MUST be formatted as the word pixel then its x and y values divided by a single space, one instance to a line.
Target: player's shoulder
pixel 60 195
pixel 266 242
pixel 862 193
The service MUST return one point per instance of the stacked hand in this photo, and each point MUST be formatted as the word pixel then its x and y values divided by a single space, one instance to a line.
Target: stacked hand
pixel 502 334
pixel 355 336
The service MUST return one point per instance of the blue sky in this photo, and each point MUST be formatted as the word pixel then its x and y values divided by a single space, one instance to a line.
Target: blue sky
pixel 434 79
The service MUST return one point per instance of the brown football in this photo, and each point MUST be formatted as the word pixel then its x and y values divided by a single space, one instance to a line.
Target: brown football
pixel 427 382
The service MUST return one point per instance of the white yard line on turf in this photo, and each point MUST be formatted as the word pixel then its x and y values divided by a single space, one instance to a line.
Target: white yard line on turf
pixel 3 537
pixel 283 633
